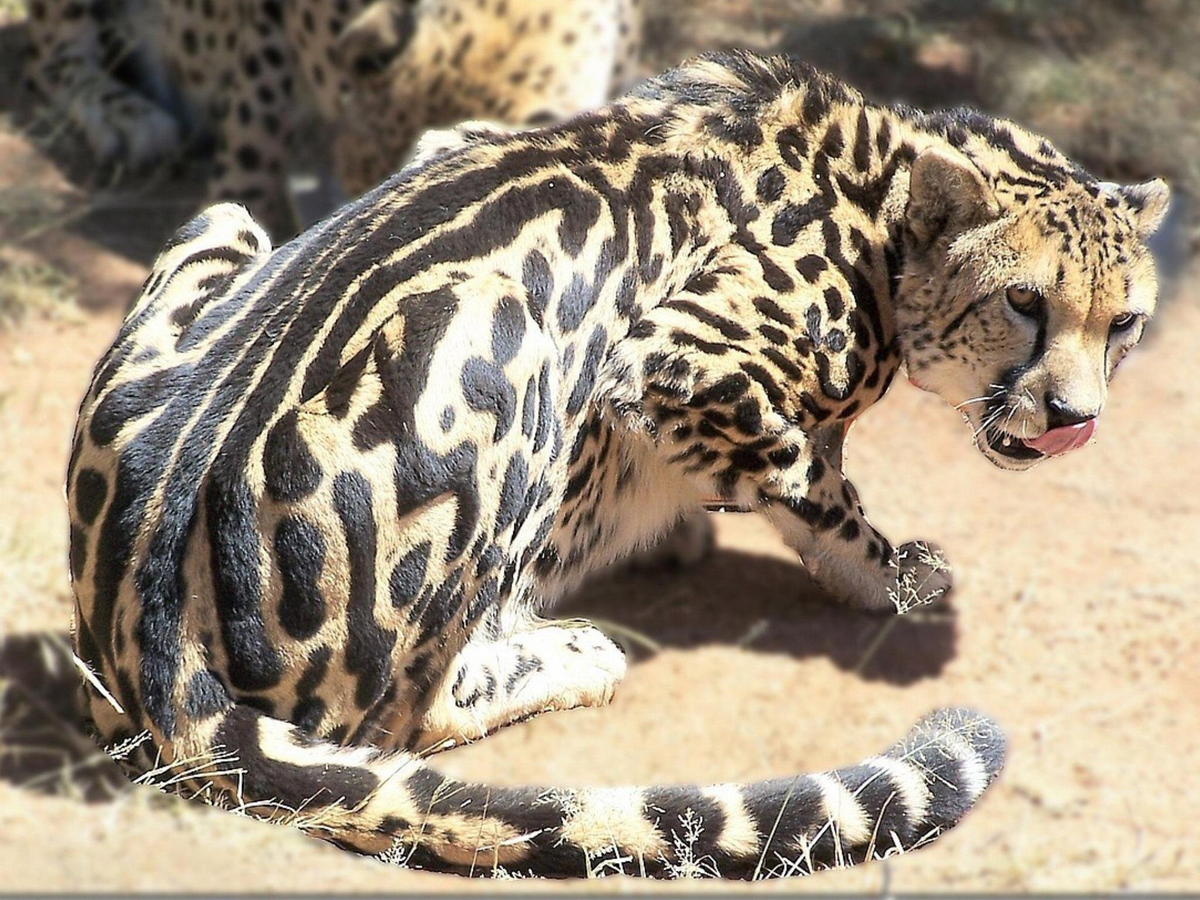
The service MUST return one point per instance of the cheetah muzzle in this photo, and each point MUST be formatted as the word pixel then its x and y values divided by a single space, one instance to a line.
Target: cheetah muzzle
pixel 322 495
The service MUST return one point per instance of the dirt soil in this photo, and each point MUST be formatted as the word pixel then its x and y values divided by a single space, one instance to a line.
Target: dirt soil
pixel 1074 623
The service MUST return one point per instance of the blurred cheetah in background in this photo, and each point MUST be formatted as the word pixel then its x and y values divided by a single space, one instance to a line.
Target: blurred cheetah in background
pixel 379 71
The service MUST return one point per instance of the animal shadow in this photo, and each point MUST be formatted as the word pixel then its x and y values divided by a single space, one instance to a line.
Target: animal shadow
pixel 44 747
pixel 766 605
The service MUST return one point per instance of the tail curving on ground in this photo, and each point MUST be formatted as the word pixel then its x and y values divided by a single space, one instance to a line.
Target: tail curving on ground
pixel 396 806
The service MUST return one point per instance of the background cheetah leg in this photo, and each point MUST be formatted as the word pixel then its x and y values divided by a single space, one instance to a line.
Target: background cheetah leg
pixel 254 121
pixel 550 666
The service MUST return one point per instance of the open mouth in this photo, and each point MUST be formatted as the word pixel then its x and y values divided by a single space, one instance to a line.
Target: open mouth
pixel 1054 442
pixel 1012 447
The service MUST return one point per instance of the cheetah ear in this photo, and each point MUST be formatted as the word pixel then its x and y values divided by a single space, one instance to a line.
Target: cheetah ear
pixel 947 195
pixel 375 37
pixel 1148 201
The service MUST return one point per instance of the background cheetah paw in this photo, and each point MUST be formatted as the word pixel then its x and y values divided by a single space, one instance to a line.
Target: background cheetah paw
pixel 126 131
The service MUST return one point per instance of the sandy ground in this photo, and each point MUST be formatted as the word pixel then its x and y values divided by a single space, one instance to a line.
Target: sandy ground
pixel 1074 623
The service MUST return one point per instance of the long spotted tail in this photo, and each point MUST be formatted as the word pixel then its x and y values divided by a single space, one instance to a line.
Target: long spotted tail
pixel 396 806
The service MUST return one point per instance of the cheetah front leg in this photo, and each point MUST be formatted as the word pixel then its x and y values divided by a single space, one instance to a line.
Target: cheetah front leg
pixel 493 683
pixel 817 511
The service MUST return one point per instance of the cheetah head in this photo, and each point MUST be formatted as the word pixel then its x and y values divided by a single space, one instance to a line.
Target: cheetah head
pixel 1021 293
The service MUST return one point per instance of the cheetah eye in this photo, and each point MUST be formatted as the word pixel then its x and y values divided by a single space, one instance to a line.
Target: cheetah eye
pixel 1024 300
pixel 1123 323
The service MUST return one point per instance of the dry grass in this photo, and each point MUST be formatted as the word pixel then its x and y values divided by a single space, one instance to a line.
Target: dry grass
pixel 36 289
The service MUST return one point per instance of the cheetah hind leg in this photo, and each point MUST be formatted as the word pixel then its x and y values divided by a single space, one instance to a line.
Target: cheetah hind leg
pixel 492 683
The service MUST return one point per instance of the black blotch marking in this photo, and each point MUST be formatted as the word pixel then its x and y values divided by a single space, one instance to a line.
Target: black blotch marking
pixel 512 491
pixel 770 185
pixel 91 489
pixel 368 647
pixel 206 695
pixel 588 371
pixel 539 284
pixel 773 310
pixel 300 554
pixel 487 389
pixel 231 517
pixel 78 553
pixel 508 330
pixel 811 267
pixel 289 468
pixel 577 299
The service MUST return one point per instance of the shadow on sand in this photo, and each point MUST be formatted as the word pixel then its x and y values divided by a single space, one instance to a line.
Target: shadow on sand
pixel 766 605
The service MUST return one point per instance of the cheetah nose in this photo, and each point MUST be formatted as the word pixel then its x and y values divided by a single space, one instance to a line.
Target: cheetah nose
pixel 1064 439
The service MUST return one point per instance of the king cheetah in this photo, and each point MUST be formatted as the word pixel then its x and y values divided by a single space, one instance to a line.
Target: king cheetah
pixel 323 496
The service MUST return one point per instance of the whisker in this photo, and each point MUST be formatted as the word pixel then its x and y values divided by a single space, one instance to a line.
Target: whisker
pixel 972 400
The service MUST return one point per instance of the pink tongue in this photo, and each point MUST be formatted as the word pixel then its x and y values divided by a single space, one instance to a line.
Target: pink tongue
pixel 1058 441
